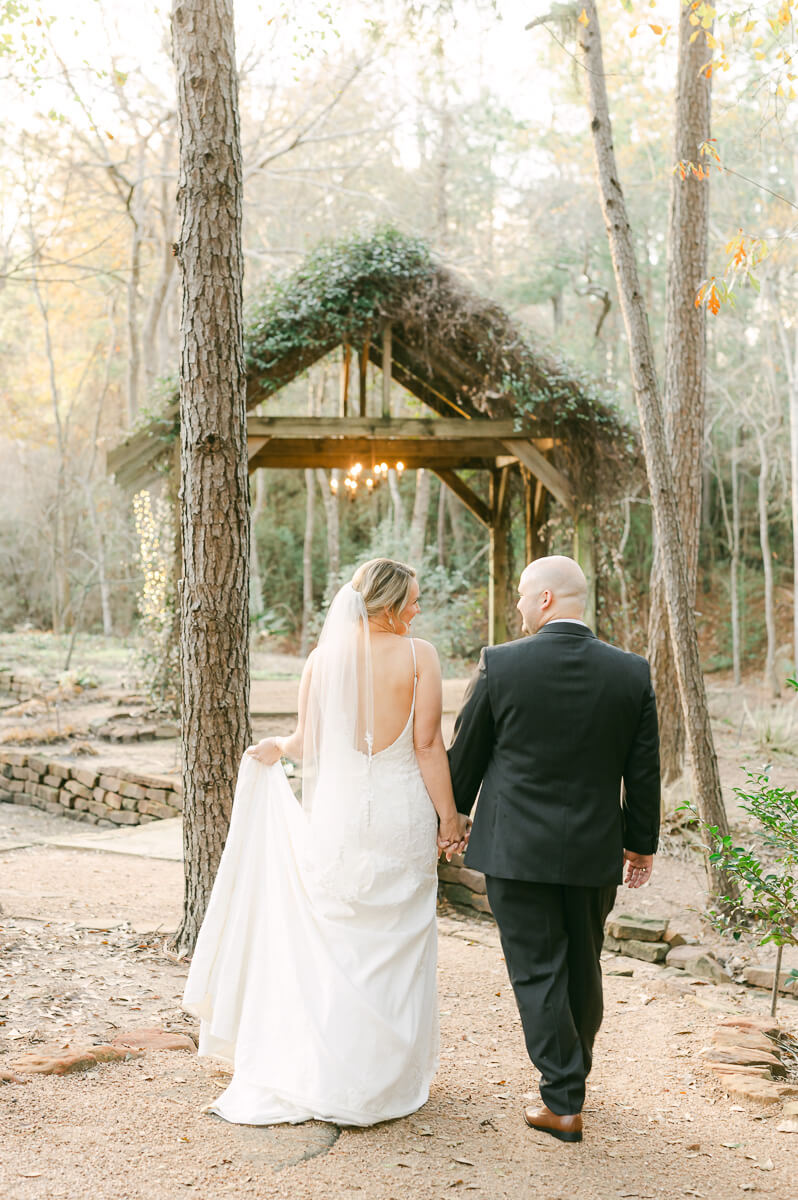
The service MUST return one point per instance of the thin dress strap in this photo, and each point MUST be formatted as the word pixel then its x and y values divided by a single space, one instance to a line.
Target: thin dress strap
pixel 415 674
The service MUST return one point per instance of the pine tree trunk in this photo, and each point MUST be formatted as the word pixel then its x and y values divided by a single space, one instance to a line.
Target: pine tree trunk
pixel 771 680
pixel 396 501
pixel 794 496
pixel 454 510
pixel 443 501
pixel 332 514
pixel 685 368
pixel 418 521
pixel 307 561
pixel 681 611
pixel 214 589
pixel 734 546
pixel 256 601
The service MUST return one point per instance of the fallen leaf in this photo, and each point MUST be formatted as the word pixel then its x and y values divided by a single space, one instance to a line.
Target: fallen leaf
pixel 464 1162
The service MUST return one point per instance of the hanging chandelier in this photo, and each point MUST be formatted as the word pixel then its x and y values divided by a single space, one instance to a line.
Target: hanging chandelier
pixel 356 478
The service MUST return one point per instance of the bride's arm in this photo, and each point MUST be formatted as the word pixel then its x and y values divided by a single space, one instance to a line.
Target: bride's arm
pixel 430 750
pixel 269 750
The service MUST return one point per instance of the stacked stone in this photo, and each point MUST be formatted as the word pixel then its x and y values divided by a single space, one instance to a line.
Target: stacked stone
pixel 747 1055
pixel 646 938
pixel 18 685
pixel 104 796
pixel 462 886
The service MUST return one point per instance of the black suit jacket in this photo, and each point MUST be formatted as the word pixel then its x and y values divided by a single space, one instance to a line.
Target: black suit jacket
pixel 560 729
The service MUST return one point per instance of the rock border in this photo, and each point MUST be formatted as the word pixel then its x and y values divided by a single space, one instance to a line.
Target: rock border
pixel 104 796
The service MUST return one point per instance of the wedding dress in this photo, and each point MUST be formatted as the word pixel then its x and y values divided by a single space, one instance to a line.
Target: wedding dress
pixel 314 973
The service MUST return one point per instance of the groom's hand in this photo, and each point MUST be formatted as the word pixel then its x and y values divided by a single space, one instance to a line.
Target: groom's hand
pixel 638 868
pixel 453 836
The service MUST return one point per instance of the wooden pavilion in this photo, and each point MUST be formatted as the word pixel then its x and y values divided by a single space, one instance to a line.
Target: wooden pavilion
pixel 497 401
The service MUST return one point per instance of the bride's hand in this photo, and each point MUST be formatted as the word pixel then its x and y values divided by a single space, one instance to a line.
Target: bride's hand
pixel 453 835
pixel 267 751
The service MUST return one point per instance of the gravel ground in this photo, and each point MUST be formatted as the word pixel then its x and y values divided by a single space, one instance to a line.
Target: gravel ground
pixel 80 961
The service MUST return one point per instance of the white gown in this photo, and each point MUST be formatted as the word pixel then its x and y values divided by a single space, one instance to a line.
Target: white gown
pixel 314 973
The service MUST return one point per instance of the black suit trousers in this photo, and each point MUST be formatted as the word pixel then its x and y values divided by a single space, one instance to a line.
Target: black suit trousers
pixel 552 935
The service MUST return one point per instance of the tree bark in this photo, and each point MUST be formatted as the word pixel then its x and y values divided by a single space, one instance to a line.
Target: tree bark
pixel 418 521
pixel 307 561
pixel 685 368
pixel 681 611
pixel 454 510
pixel 734 547
pixel 332 515
pixel 256 601
pixel 214 590
pixel 763 488
pixel 136 214
pixel 396 501
pixel 441 524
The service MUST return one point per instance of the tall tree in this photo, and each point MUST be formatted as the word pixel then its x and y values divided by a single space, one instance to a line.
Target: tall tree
pixel 684 389
pixel 680 607
pixel 215 494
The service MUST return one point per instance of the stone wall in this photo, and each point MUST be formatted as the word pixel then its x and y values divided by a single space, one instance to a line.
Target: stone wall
pixel 107 796
pixel 21 686
pixel 462 886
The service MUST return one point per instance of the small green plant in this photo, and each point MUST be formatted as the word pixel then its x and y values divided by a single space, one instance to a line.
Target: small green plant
pixel 767 870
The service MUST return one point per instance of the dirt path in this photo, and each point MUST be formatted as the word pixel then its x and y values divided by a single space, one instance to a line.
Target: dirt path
pixel 79 962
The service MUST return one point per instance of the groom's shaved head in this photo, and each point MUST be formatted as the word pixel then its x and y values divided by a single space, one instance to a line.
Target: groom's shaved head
pixel 551 587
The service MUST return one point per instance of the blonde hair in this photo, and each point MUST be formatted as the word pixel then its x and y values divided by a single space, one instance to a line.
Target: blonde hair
pixel 384 584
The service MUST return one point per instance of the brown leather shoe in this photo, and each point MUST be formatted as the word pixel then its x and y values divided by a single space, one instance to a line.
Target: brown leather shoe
pixel 566 1128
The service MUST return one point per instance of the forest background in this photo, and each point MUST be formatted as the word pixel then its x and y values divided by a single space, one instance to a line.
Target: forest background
pixel 450 123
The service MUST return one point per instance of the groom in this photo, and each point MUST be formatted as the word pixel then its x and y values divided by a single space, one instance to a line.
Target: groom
pixel 560 731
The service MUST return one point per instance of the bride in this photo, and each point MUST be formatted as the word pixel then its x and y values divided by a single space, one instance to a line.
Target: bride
pixel 314 974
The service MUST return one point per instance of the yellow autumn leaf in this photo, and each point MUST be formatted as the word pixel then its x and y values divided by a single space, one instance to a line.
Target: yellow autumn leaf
pixel 751 25
pixel 583 18
pixel 712 42
pixel 655 29
pixel 633 32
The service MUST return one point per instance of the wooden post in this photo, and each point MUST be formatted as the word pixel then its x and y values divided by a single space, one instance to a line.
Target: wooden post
pixel 529 514
pixel 585 555
pixel 346 360
pixel 498 563
pixel 387 359
pixel 363 362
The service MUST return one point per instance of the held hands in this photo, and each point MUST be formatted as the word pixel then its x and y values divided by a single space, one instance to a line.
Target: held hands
pixel 638 868
pixel 267 751
pixel 453 835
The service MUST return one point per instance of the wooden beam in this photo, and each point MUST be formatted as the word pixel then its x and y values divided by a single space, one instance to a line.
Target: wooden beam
pixel 499 556
pixel 529 513
pixel 343 452
pixel 462 491
pixel 254 444
pixel 362 363
pixel 431 391
pixel 386 369
pixel 452 429
pixel 346 359
pixel 542 469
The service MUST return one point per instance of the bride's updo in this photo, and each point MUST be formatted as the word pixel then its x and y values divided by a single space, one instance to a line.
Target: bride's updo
pixel 384 585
